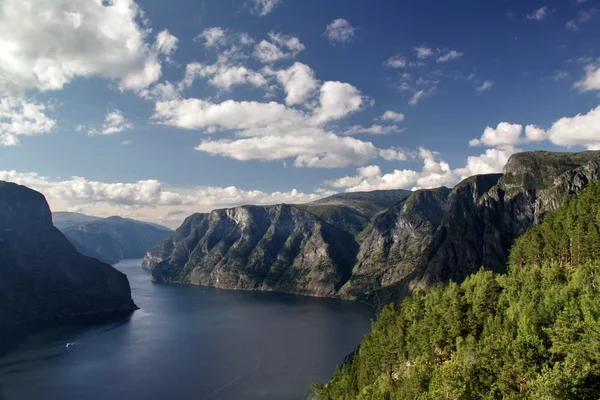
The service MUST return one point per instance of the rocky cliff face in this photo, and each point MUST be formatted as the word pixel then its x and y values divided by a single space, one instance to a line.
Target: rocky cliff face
pixel 42 276
pixel 483 219
pixel 281 248
pixel 382 245
pixel 110 239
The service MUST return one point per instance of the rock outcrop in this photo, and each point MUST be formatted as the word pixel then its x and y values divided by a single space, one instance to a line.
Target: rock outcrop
pixel 374 246
pixel 42 276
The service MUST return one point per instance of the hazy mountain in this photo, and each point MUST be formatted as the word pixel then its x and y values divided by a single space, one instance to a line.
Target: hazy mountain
pixel 110 239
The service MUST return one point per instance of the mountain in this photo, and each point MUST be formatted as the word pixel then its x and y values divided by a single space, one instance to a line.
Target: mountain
pixel 374 246
pixel 109 239
pixel 530 333
pixel 42 276
pixel 280 248
pixel 63 219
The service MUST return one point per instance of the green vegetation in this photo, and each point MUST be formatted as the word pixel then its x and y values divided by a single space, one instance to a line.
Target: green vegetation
pixel 533 333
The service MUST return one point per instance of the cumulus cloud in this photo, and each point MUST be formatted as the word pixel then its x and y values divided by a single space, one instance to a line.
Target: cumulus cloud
pixel 373 130
pixel 314 149
pixel 393 116
pixel 423 52
pixel 396 61
pixel 298 81
pixel 223 76
pixel 591 81
pixel 396 154
pixel 434 173
pixel 147 199
pixel 21 117
pixel 280 47
pixel 340 31
pixel 166 43
pixel 264 7
pixel 581 130
pixel 540 14
pixel 492 161
pixel 337 100
pixel 273 131
pixel 485 87
pixel 48 43
pixel 114 122
pixel 503 135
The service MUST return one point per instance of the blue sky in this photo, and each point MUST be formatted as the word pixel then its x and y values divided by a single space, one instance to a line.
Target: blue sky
pixel 156 109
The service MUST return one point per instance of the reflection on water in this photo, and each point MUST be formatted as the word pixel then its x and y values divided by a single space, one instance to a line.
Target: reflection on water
pixel 186 342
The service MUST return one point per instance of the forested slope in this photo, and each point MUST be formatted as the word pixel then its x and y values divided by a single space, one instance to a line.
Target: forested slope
pixel 533 333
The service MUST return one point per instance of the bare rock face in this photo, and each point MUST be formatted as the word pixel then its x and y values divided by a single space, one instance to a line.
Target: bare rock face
pixel 379 245
pixel 42 276
pixel 280 248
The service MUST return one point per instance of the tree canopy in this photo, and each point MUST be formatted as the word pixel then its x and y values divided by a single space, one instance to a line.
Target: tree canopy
pixel 532 333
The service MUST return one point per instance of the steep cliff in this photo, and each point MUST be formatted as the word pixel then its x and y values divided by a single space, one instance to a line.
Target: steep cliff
pixel 110 239
pixel 394 242
pixel 483 219
pixel 42 276
pixel 374 246
pixel 281 248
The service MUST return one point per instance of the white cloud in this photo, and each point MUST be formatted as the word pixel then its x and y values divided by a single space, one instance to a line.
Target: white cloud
pixel 423 52
pixel 166 43
pixel 393 116
pixel 314 150
pixel 114 122
pixel 338 100
pixel 298 81
pixel 420 95
pixel 485 86
pixel 273 131
pixel 396 61
pixel 147 199
pixel 340 31
pixel 264 7
pixel 45 44
pixel 396 154
pixel 434 173
pixel 539 14
pixel 580 130
pixel 449 56
pixel 374 130
pixel 281 47
pixel 492 161
pixel 591 80
pixel 503 135
pixel 21 117
pixel 213 37
pixel 222 76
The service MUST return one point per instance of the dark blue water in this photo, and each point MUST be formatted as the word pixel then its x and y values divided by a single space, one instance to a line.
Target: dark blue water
pixel 189 342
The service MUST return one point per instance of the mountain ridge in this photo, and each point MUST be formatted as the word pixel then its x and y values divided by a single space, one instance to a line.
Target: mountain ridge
pixel 410 243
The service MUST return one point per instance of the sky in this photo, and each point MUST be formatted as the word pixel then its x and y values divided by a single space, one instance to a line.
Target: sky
pixel 155 110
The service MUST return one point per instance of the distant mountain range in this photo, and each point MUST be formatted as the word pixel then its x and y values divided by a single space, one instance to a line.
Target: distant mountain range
pixel 42 276
pixel 109 239
pixel 373 246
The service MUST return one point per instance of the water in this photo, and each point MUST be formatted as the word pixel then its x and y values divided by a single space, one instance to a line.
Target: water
pixel 189 342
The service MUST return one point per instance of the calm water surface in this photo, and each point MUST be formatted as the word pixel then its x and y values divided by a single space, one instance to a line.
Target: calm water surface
pixel 189 342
